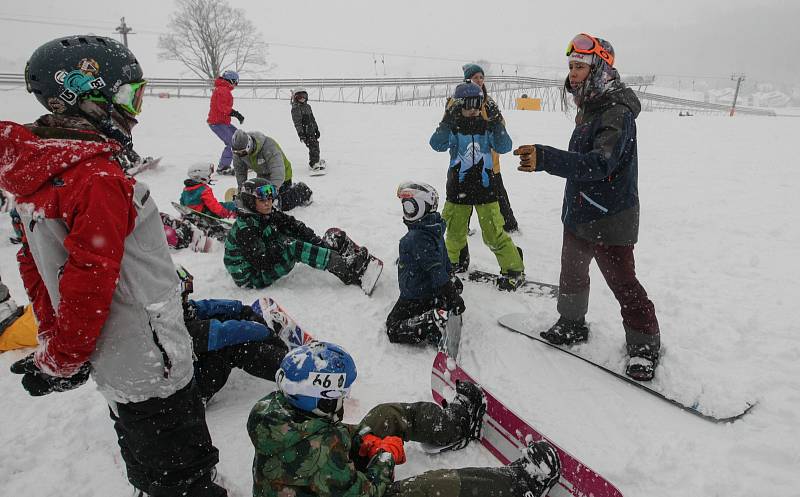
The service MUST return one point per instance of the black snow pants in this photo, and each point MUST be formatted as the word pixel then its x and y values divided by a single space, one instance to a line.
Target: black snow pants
pixel 406 322
pixel 313 149
pixel 166 445
pixel 293 195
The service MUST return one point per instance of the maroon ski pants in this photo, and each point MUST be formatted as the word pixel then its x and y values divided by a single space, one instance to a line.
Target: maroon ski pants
pixel 618 268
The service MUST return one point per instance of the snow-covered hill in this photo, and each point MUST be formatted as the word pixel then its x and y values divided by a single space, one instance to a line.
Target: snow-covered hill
pixel 718 255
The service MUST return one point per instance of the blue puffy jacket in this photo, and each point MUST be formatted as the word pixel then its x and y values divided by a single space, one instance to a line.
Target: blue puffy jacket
pixel 601 197
pixel 423 266
pixel 470 179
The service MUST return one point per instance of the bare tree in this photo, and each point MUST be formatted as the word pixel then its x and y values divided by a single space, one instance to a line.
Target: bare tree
pixel 209 36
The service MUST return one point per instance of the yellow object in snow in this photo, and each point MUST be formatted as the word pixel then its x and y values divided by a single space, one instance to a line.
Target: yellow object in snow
pixel 21 333
pixel 529 104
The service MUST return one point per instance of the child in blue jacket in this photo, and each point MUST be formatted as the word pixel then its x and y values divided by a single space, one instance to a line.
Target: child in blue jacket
pixel 471 139
pixel 427 288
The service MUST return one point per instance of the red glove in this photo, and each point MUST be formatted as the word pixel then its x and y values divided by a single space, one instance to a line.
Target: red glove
pixel 371 445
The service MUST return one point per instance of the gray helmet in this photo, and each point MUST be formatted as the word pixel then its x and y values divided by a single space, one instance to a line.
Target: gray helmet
pixel 200 172
pixel 242 141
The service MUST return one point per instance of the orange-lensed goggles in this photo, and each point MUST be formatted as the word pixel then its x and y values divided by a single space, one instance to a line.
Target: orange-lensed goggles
pixel 588 44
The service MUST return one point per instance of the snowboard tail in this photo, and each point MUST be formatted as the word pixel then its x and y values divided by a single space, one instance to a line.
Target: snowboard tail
pixel 371 274
pixel 505 435
pixel 518 324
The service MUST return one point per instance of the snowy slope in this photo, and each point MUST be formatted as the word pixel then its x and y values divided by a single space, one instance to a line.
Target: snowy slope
pixel 717 254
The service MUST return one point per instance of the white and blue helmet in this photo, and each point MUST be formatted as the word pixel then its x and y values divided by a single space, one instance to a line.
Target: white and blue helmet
pixel 316 378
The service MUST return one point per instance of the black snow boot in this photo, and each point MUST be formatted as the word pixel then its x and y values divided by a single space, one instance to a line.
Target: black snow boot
pixel 468 407
pixel 427 327
pixel 348 269
pixel 510 281
pixel 540 468
pixel 567 332
pixel 462 266
pixel 642 361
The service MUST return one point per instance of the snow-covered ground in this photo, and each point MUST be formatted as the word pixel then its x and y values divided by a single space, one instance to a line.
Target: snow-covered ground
pixel 718 255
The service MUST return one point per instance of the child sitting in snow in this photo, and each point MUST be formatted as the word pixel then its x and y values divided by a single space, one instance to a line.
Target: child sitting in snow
pixel 264 244
pixel 198 195
pixel 302 447
pixel 427 288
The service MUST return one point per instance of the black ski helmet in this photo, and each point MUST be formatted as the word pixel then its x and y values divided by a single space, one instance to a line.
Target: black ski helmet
pixel 66 70
pixel 247 194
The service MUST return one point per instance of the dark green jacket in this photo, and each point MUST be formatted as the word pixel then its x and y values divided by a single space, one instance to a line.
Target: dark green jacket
pixel 300 455
pixel 261 249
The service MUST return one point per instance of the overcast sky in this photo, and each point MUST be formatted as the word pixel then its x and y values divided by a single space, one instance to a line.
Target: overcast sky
pixel 681 37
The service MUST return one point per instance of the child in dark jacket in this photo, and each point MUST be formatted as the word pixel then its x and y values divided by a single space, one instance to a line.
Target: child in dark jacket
pixel 306 126
pixel 427 288
pixel 264 244
pixel 198 195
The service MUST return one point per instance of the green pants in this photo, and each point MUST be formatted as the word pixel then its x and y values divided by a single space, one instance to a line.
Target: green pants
pixel 426 422
pixel 491 220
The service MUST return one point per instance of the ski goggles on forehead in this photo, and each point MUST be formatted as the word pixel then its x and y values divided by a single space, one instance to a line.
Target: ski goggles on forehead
pixel 471 103
pixel 587 44
pixel 266 192
pixel 130 96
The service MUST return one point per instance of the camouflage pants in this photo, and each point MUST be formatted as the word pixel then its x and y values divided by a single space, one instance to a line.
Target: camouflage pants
pixel 426 422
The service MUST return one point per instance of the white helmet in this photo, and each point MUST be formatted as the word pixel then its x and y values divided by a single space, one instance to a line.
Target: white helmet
pixel 200 172
pixel 418 199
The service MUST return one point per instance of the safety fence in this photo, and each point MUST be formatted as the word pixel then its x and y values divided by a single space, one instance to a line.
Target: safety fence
pixel 428 91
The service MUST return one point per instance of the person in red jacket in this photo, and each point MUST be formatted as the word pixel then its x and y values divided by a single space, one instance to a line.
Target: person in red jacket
pixel 96 266
pixel 219 116
pixel 198 195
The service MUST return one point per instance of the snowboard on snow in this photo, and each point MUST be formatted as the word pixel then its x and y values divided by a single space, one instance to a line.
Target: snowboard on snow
pixel 212 226
pixel 147 164
pixel 505 435
pixel 319 169
pixel 279 321
pixel 519 323
pixel 230 194
pixel 371 274
pixel 530 286
pixel 451 339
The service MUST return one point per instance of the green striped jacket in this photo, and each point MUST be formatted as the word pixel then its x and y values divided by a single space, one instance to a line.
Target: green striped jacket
pixel 261 249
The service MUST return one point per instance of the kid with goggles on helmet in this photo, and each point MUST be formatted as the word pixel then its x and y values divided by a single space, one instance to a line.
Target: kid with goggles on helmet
pixel 264 244
pixel 428 292
pixel 302 447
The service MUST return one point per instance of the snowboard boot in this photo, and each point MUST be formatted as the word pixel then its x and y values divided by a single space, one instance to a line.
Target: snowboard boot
pixel 468 409
pixel 510 281
pixel 462 266
pixel 540 468
pixel 348 269
pixel 642 361
pixel 427 327
pixel 567 332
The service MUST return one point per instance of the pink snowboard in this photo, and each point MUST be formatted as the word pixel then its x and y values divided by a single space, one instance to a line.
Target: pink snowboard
pixel 505 434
